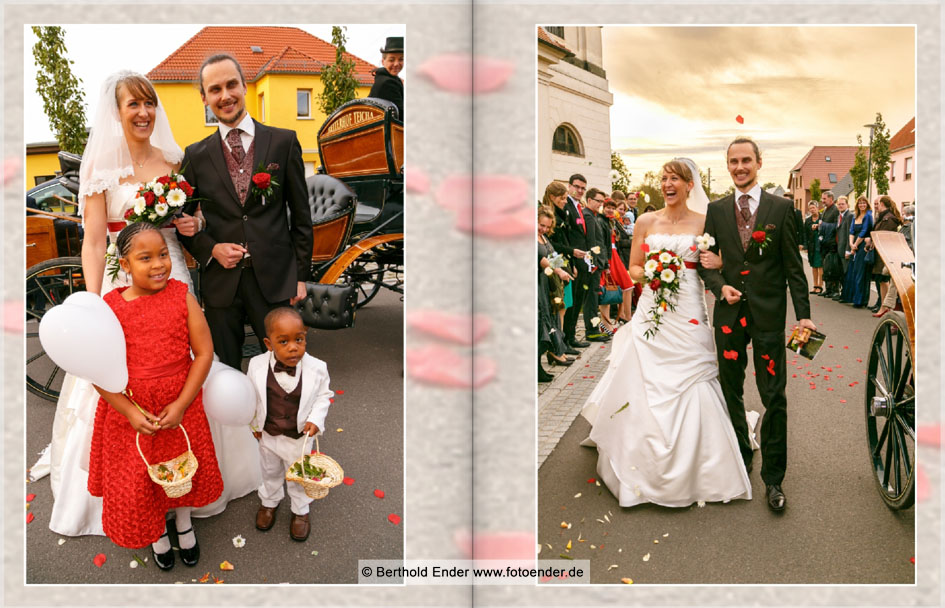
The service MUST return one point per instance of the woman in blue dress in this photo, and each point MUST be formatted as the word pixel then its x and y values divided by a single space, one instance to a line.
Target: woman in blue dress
pixel 856 284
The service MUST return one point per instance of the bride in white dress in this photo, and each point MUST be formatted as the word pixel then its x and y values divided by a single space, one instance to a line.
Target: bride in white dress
pixel 662 431
pixel 130 144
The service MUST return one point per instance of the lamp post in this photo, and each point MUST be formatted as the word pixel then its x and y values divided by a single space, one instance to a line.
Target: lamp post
pixel 869 162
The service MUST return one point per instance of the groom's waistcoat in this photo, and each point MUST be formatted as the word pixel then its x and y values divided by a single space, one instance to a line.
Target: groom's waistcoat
pixel 240 173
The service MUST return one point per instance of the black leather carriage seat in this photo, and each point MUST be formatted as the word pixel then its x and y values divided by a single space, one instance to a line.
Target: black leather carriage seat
pixel 332 204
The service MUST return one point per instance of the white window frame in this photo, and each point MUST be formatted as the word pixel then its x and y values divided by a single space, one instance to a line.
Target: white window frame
pixel 209 120
pixel 907 169
pixel 298 116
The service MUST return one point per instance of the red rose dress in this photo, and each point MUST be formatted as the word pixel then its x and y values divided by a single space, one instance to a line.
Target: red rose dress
pixel 158 352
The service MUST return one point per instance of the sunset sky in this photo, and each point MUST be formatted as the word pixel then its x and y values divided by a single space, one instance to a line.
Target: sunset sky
pixel 678 90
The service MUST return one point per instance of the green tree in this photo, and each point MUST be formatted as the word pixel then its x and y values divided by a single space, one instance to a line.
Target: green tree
pixel 338 80
pixel 622 175
pixel 768 186
pixel 815 190
pixel 63 100
pixel 859 172
pixel 651 187
pixel 879 156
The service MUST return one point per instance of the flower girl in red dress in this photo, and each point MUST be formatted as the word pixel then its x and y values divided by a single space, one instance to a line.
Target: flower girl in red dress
pixel 162 323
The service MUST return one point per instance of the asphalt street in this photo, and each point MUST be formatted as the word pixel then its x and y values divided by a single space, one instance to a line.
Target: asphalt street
pixel 364 434
pixel 835 529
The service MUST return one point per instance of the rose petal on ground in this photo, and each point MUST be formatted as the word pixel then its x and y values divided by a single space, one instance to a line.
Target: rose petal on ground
pixel 435 364
pixel 225 565
pixel 726 329
pixel 912 559
pixel 415 180
pixel 204 578
pixel 379 493
pixel 29 517
pixel 339 392
pixel 99 560
pixel 626 581
pixel 843 401
pixel 30 497
pixel 464 73
pixel 453 327
pixel 646 557
pixel 62 541
pixel 694 321
pixel 591 480
pixel 393 518
pixel 348 481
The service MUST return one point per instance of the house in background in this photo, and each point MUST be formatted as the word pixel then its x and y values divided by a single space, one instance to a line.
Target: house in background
pixel 282 67
pixel 42 162
pixel 902 165
pixel 827 163
pixel 574 103
pixel 844 188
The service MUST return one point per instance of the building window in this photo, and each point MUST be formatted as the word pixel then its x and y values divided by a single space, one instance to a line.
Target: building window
pixel 557 30
pixel 208 118
pixel 832 177
pixel 566 141
pixel 908 174
pixel 262 107
pixel 827 158
pixel 892 171
pixel 304 102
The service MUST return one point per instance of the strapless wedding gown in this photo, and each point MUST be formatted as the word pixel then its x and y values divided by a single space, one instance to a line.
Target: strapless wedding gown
pixel 660 423
pixel 75 511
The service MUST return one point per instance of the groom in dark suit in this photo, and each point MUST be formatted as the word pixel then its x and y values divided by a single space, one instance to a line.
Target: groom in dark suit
pixel 756 235
pixel 255 255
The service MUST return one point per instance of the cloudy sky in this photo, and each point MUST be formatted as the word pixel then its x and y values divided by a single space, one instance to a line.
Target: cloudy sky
pixel 99 50
pixel 678 90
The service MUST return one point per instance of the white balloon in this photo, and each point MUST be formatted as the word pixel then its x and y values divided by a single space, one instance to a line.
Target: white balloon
pixel 229 396
pixel 83 336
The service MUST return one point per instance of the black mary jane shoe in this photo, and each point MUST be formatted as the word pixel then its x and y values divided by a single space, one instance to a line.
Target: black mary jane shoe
pixel 189 556
pixel 164 561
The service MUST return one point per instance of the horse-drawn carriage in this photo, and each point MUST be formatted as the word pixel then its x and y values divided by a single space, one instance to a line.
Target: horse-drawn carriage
pixel 356 201
pixel 890 385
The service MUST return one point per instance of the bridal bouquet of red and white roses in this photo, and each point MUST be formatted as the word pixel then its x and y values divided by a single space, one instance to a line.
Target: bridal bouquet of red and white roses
pixel 661 272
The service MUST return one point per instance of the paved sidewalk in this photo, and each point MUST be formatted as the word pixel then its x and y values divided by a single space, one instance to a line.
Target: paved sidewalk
pixel 560 401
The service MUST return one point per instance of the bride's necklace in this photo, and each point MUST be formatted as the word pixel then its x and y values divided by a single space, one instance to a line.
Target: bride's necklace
pixel 146 159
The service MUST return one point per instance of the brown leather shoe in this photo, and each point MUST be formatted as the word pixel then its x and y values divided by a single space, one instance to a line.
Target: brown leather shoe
pixel 265 517
pixel 299 527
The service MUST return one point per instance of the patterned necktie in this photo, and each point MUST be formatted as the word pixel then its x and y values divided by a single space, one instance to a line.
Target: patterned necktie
pixel 744 227
pixel 279 365
pixel 236 145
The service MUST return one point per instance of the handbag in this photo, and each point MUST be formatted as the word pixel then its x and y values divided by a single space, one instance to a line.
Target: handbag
pixel 568 298
pixel 610 292
pixel 328 306
pixel 870 257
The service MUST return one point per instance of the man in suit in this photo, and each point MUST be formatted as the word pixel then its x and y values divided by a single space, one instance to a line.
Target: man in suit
pixel 387 84
pixel 576 231
pixel 254 257
pixel 632 203
pixel 827 232
pixel 599 247
pixel 843 238
pixel 756 235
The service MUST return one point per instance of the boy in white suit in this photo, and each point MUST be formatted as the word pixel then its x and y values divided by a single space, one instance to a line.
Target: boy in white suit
pixel 292 398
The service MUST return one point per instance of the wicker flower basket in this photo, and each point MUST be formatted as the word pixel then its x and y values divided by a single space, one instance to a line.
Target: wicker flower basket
pixel 184 465
pixel 316 489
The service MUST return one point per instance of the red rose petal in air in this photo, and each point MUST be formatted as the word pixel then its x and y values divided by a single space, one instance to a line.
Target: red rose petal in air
pixel 393 518
pixel 29 517
pixel 765 357
pixel 330 400
pixel 726 329
pixel 694 321
pixel 30 497
pixel 739 119
pixel 794 375
pixel 730 354
pixel 693 248
pixel 912 559
pixel 99 560
pixel 644 248
pixel 743 321
pixel 379 493
pixel 348 481
pixel 771 367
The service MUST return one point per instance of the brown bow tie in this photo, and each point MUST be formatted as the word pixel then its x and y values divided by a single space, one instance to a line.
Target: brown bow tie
pixel 282 367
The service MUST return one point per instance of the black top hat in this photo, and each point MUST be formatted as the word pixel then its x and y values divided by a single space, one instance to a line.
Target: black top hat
pixel 394 44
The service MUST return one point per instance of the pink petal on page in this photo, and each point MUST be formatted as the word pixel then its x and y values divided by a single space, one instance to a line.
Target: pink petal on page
pixel 921 484
pixel 493 193
pixel 511 224
pixel 454 72
pixel 439 365
pixel 10 167
pixel 455 327
pixel 416 180
pixel 13 316
pixel 496 545
pixel 929 435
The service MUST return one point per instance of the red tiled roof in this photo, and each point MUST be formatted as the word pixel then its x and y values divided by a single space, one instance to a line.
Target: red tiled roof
pixel 814 165
pixel 284 49
pixel 904 138
pixel 546 37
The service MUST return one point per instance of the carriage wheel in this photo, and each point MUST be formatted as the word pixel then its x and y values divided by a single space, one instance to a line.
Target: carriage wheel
pixel 47 284
pixel 366 275
pixel 890 411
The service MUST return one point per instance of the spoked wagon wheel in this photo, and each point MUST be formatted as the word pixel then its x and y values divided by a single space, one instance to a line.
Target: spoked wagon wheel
pixel 47 284
pixel 890 411
pixel 366 275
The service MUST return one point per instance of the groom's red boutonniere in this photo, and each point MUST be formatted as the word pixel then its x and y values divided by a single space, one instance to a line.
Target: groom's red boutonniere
pixel 263 182
pixel 761 238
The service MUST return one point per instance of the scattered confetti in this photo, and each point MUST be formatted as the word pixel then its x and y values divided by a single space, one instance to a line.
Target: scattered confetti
pixel 339 392
pixel 217 581
pixel 666 535
pixel 379 493
pixel 225 565
pixel 591 480
pixel 611 567
pixel 726 329
pixel 99 560
pixel 626 581
pixel 578 495
pixel 843 401
pixel 30 497
pixel 743 322
pixel 730 354
pixel 912 559
pixel 567 547
pixel 739 119
pixel 348 481
pixel 771 367
pixel 656 541
pixel 133 564
pixel 393 518
pixel 694 321
pixel 339 430
pixel 744 272
pixel 204 578
pixel 646 557
pixel 314 552
pixel 62 541
pixel 238 541
pixel 29 517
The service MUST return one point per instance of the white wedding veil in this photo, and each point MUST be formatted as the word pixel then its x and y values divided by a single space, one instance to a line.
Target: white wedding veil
pixel 698 201
pixel 106 159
